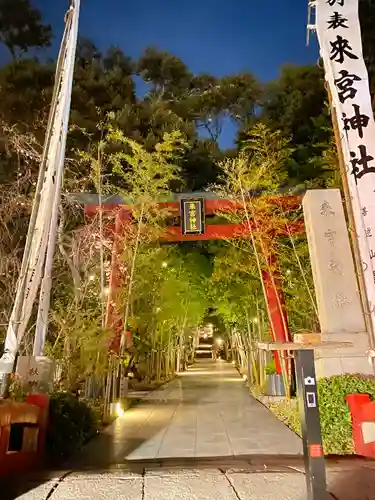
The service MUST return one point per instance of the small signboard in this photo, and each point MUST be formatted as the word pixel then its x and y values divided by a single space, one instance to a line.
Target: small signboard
pixel 192 216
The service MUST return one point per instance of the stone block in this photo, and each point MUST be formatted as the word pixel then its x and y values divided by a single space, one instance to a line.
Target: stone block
pixel 327 367
pixel 330 366
pixel 335 281
pixel 359 365
pixel 360 345
pixel 36 372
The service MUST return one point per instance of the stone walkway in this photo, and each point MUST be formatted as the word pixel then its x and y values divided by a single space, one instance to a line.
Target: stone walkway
pixel 205 412
pixel 356 483
pixel 173 485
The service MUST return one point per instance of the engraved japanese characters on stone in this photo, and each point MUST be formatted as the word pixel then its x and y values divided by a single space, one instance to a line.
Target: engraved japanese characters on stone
pixel 330 235
pixel 341 301
pixel 335 266
pixel 326 209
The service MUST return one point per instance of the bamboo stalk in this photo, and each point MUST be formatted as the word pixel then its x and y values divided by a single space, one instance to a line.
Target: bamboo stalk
pixel 251 356
pixel 283 360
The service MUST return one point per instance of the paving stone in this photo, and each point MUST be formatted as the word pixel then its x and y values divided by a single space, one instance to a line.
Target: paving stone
pixel 106 487
pixel 189 485
pixel 355 484
pixel 269 486
pixel 211 451
pixel 176 452
pixel 33 491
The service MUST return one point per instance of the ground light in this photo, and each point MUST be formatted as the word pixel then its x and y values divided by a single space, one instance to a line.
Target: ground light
pixel 117 409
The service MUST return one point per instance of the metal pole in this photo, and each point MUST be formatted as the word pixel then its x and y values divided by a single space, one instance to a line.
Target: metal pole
pixel 315 470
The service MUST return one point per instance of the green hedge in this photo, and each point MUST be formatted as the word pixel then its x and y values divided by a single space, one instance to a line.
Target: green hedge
pixel 334 413
pixel 71 424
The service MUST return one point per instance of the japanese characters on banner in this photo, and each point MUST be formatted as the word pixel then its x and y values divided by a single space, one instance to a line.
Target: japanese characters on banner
pixel 339 35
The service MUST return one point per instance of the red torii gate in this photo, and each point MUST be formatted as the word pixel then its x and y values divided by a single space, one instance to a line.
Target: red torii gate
pixel 271 280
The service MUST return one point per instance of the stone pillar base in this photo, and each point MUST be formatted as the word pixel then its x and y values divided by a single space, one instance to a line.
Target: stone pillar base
pixel 340 361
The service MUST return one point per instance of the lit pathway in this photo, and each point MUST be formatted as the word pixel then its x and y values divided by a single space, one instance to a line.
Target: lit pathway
pixel 205 412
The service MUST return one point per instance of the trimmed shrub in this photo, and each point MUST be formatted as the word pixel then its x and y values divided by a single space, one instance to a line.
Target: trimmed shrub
pixel 71 424
pixel 334 413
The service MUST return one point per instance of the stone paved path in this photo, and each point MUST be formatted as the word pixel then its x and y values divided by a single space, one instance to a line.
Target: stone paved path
pixel 205 412
pixel 174 485
pixel 356 483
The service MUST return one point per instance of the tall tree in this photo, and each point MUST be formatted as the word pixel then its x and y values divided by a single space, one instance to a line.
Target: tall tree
pixel 296 104
pixel 21 27
pixel 203 98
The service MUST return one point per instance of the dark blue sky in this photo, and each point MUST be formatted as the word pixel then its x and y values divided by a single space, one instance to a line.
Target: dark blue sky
pixel 214 36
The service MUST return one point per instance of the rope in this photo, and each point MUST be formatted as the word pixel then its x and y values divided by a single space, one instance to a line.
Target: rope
pixel 101 236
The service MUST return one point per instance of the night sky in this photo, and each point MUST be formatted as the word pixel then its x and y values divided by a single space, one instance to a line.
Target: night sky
pixel 215 36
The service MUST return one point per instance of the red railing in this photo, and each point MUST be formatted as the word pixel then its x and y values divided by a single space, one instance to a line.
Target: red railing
pixel 22 434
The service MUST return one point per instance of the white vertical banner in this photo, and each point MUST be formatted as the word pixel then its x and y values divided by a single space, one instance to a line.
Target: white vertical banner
pixel 339 35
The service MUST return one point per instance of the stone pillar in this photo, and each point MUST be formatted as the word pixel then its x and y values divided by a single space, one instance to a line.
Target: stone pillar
pixel 336 288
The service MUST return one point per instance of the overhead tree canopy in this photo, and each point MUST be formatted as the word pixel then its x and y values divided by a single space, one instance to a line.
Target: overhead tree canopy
pixel 21 27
